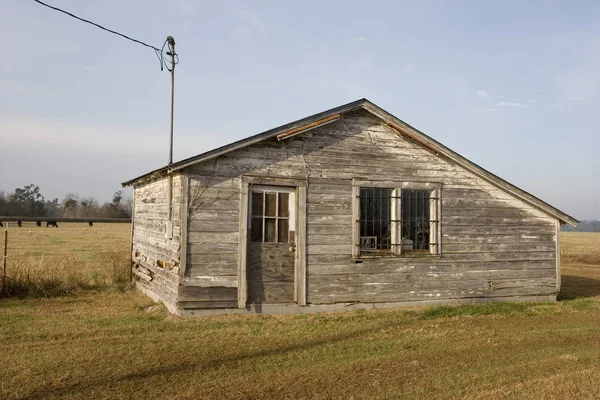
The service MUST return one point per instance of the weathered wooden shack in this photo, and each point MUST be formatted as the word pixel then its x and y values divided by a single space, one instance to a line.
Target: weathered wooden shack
pixel 348 208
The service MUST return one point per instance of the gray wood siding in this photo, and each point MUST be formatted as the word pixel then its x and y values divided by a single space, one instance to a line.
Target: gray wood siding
pixel 155 258
pixel 492 244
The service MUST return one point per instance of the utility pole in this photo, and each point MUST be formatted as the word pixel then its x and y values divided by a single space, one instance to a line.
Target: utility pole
pixel 171 53
pixel 169 223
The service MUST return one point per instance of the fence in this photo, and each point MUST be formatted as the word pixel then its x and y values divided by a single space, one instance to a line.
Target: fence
pixel 63 219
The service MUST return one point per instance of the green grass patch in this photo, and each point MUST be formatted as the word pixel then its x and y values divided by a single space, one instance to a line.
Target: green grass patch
pixel 491 308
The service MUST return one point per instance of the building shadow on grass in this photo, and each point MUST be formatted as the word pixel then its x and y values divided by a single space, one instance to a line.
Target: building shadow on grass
pixel 202 366
pixel 573 287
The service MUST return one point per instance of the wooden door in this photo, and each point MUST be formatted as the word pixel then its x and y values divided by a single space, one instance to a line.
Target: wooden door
pixel 270 263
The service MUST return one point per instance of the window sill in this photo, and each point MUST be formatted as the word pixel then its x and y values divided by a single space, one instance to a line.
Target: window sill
pixel 390 255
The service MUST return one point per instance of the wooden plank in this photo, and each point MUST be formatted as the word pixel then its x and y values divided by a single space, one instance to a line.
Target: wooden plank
pixel 211 249
pixel 211 281
pixel 141 275
pixel 503 256
pixel 191 305
pixel 523 231
pixel 198 293
pixel 208 237
pixel 391 184
pixel 468 220
pixel 330 249
pixel 330 229
pixel 495 238
pixel 301 243
pixel 514 247
pixel 304 128
pixel 274 180
pixel 242 291
pixel 374 266
pixel 435 279
pixel 224 225
pixel 183 239
pixel 335 239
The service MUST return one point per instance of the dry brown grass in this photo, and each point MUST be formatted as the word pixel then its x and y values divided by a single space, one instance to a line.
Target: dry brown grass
pixel 580 264
pixel 112 344
pixel 50 261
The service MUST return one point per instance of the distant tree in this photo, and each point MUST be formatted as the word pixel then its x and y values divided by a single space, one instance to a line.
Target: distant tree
pixel 88 208
pixel 583 226
pixel 27 201
pixel 118 208
pixel 69 205
pixel 53 208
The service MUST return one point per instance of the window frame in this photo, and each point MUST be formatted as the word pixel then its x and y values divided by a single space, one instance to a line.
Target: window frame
pixel 291 218
pixel 435 214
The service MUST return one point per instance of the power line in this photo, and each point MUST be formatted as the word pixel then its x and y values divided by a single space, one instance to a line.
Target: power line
pixel 156 49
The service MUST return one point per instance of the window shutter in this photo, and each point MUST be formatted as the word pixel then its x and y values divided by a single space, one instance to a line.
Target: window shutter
pixel 396 216
pixel 434 222
pixel 355 221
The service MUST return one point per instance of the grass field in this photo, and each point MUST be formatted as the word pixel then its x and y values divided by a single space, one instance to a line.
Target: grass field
pixel 114 343
pixel 50 261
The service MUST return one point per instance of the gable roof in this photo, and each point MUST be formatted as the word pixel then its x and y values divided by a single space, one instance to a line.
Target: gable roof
pixel 303 124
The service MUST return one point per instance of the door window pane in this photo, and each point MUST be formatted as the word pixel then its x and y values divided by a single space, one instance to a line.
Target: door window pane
pixel 270 224
pixel 284 201
pixel 256 230
pixel 271 204
pixel 257 204
pixel 283 230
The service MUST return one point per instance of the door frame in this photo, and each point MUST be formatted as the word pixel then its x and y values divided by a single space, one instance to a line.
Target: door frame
pixel 300 186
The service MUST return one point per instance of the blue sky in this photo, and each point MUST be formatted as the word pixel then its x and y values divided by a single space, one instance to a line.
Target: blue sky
pixel 513 86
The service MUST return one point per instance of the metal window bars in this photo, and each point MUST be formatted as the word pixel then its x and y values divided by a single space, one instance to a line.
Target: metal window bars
pixel 375 219
pixel 416 221
pixel 397 220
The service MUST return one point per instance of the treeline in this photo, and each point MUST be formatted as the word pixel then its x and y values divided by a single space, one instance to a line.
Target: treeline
pixel 29 202
pixel 584 226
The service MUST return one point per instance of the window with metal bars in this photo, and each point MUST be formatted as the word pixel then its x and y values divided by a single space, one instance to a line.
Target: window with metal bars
pixel 416 219
pixel 397 220
pixel 375 219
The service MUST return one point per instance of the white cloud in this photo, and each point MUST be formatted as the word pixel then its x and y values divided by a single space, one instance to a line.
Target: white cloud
pixel 186 8
pixel 509 104
pixel 242 33
pixel 483 94
pixel 574 99
pixel 358 39
pixel 254 21
pixel 360 65
pixel 531 101
pixel 252 26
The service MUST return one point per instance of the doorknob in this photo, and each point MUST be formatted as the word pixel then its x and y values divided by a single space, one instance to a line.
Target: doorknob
pixel 292 247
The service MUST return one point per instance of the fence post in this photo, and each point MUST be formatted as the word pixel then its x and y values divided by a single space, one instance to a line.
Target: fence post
pixel 4 261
